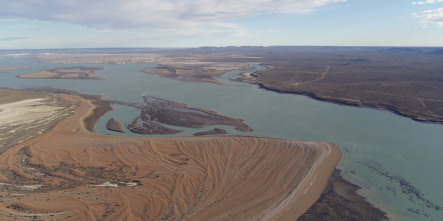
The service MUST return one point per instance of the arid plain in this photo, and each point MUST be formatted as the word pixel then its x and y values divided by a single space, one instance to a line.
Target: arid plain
pixel 73 173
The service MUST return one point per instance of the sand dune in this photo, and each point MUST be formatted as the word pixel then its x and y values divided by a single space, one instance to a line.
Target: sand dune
pixel 89 176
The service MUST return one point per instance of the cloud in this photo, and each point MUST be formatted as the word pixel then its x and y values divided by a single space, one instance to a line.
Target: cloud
pixel 12 38
pixel 431 17
pixel 161 14
pixel 426 2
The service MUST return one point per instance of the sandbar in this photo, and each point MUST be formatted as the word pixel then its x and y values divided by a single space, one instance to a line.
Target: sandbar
pixel 5 68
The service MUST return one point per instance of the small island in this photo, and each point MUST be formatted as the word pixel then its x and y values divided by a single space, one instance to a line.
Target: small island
pixel 5 68
pixel 157 113
pixel 115 125
pixel 200 72
pixel 85 73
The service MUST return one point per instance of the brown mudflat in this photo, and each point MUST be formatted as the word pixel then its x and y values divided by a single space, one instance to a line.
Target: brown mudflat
pixel 211 132
pixel 340 201
pixel 71 173
pixel 157 114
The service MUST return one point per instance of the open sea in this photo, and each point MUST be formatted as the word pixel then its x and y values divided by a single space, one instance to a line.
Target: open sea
pixel 398 162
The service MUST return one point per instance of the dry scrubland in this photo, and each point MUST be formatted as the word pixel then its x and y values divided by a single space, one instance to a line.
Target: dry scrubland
pixel 206 72
pixel 184 67
pixel 72 173
pixel 406 81
pixel 64 73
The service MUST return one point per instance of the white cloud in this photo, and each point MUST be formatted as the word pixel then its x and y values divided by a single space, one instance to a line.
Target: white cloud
pixel 161 14
pixel 426 2
pixel 12 38
pixel 431 17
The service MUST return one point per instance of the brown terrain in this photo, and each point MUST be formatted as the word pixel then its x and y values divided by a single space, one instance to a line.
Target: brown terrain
pixel 64 73
pixel 203 72
pixel 24 115
pixel 173 64
pixel 406 81
pixel 3 68
pixel 157 113
pixel 74 174
pixel 340 201
pixel 115 125
pixel 211 132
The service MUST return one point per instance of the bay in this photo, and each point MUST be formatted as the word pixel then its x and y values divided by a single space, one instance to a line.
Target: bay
pixel 395 160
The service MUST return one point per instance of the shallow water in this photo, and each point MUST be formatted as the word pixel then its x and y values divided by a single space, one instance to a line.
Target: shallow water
pixel 395 160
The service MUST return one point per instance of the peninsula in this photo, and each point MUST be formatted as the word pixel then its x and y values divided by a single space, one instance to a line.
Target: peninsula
pixel 198 178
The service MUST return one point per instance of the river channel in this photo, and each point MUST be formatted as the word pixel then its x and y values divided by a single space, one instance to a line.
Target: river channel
pixel 398 162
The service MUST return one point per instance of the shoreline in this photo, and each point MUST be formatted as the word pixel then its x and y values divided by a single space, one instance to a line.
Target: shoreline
pixel 290 208
pixel 333 176
pixel 340 201
pixel 229 192
pixel 345 103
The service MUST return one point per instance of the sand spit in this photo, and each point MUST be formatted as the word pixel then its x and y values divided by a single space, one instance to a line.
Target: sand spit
pixel 192 178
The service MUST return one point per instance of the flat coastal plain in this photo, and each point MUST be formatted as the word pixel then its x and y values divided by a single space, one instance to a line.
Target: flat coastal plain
pixel 72 173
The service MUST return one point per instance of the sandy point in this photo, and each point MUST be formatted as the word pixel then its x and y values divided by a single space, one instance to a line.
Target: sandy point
pixel 187 178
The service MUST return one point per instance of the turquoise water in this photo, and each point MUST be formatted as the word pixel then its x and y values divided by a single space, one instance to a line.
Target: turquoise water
pixel 395 160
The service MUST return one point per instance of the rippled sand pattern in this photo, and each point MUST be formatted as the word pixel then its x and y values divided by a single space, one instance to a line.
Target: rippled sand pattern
pixel 88 176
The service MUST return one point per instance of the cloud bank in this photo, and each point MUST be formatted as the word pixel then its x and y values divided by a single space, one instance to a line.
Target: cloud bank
pixel 431 17
pixel 162 14
pixel 426 2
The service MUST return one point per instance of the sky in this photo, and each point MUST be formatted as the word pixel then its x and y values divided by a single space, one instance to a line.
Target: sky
pixel 40 24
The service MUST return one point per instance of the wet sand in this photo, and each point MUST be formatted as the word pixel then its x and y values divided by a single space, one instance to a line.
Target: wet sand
pixel 71 173
pixel 211 132
pixel 340 201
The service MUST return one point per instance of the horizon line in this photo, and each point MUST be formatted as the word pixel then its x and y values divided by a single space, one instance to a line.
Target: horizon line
pixel 229 46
